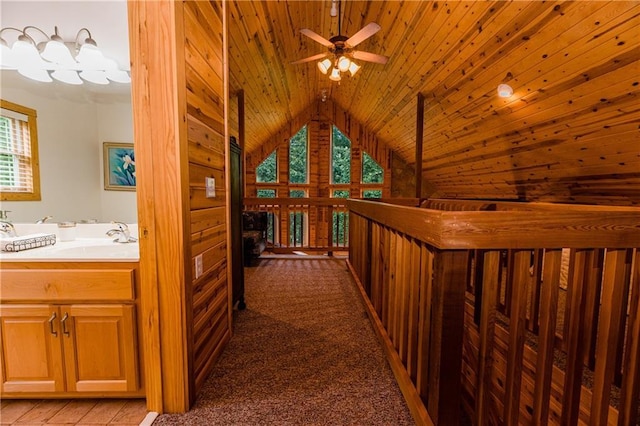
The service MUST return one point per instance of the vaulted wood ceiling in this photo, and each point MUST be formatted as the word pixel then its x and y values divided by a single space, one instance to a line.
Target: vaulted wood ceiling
pixel 569 133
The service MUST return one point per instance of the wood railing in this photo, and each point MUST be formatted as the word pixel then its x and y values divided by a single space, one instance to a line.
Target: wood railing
pixel 521 314
pixel 304 224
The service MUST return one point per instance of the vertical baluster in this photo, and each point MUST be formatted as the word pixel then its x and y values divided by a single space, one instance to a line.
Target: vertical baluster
pixel 489 263
pixel 550 287
pixel 413 302
pixel 592 306
pixel 386 259
pixel 534 317
pixel 573 338
pixel 391 301
pixel 630 389
pixel 519 278
pixel 617 271
pixel 424 321
pixel 401 299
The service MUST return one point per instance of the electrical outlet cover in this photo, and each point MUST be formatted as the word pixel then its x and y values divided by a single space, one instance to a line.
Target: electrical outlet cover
pixel 210 185
pixel 199 266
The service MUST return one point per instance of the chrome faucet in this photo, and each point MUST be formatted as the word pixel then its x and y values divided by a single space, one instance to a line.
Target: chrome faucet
pixel 44 219
pixel 123 233
pixel 8 229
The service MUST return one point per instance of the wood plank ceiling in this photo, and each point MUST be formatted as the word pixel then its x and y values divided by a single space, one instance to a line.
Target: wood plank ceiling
pixel 569 133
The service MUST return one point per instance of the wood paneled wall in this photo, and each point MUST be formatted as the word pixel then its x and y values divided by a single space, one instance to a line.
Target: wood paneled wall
pixel 178 86
pixel 319 118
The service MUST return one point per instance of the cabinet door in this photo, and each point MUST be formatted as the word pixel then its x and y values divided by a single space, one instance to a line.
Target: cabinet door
pixel 100 347
pixel 31 355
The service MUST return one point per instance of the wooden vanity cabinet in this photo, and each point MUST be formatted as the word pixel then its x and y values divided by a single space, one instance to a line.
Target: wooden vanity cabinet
pixel 68 345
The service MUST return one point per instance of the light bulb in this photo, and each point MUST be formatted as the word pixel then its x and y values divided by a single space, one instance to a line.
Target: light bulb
pixel 504 90
pixel 67 76
pixel 94 76
pixel 55 51
pixel 90 57
pixel 324 65
pixel 343 64
pixel 353 68
pixel 335 75
pixel 36 74
pixel 7 61
pixel 119 76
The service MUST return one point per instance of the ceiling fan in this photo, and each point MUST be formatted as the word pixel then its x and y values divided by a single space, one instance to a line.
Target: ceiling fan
pixel 341 51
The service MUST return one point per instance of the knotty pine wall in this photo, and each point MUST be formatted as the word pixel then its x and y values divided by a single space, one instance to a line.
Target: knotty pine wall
pixel 178 91
pixel 319 118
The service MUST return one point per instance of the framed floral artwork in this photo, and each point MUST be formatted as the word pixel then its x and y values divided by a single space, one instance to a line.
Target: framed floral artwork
pixel 119 166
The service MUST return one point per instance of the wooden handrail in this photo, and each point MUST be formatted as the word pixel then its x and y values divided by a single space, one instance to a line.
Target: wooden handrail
pixel 579 227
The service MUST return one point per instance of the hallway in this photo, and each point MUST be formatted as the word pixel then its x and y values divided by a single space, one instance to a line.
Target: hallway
pixel 303 352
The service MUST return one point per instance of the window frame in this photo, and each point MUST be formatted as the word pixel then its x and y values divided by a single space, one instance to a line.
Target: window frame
pixel 34 163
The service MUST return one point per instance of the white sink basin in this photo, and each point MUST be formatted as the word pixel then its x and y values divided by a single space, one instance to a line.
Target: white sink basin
pixel 78 250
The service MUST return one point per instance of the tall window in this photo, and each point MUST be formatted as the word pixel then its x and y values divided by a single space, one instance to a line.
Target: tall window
pixel 371 171
pixel 340 157
pixel 298 157
pixel 266 172
pixel 19 168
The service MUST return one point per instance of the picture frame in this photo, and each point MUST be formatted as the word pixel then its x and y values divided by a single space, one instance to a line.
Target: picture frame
pixel 119 166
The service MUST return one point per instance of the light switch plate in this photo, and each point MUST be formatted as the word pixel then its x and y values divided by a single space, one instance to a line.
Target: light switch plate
pixel 210 185
pixel 198 266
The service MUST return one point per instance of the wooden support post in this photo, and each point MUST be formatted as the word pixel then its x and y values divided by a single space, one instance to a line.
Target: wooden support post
pixel 419 137
pixel 241 139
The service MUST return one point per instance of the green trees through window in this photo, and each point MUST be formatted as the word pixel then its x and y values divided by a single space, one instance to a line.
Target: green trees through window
pixel 298 157
pixel 266 172
pixel 371 171
pixel 340 157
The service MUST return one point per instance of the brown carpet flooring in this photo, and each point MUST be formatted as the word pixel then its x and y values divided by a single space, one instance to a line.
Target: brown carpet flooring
pixel 303 353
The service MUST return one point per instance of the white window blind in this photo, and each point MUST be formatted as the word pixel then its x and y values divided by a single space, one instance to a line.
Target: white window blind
pixel 16 173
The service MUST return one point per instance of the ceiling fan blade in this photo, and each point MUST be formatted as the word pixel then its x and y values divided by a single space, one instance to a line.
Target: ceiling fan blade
pixel 366 32
pixel 316 37
pixel 310 58
pixel 370 57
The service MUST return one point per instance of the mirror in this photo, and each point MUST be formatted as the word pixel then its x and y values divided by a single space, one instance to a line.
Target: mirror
pixel 73 121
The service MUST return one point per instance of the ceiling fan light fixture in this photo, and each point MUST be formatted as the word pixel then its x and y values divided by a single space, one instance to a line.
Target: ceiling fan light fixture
pixel 353 68
pixel 344 63
pixel 335 75
pixel 504 90
pixel 324 65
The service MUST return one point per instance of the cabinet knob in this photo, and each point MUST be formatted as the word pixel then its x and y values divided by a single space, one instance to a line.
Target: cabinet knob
pixel 51 319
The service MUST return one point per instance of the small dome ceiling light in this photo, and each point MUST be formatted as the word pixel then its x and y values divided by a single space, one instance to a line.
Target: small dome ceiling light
pixel 504 90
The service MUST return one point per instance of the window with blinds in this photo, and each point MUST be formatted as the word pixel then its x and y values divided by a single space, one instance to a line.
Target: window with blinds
pixel 19 172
